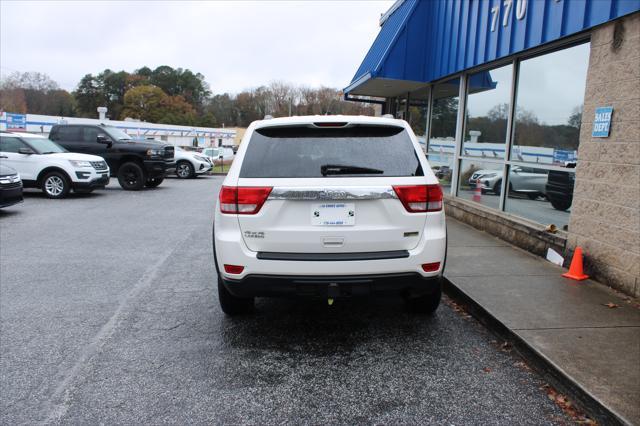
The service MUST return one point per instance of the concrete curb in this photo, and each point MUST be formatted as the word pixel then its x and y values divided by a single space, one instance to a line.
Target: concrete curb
pixel 551 373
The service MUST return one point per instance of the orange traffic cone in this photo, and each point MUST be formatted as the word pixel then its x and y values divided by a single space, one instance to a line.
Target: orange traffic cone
pixel 575 270
pixel 477 193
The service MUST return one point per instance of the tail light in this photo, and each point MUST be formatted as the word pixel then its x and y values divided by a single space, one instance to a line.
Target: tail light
pixel 420 198
pixel 330 124
pixel 429 267
pixel 243 199
pixel 233 269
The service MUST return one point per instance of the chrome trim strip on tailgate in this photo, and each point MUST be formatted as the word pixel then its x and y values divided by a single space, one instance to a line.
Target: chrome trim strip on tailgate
pixel 333 257
pixel 336 193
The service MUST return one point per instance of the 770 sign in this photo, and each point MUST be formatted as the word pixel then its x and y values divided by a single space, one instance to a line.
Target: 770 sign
pixel 521 10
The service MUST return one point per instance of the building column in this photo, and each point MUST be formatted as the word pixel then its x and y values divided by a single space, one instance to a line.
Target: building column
pixel 605 214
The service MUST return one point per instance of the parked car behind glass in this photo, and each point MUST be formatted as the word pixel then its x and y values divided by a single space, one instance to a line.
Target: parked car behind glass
pixel 526 180
pixel 560 189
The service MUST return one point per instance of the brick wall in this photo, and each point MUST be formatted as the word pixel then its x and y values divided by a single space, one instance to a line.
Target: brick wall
pixel 605 216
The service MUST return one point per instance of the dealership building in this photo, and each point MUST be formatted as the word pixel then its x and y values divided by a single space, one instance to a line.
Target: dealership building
pixel 530 113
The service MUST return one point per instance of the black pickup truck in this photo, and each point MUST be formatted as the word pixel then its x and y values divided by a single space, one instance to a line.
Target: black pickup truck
pixel 135 164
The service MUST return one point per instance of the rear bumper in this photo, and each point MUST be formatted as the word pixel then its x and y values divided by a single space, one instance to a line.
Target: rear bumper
pixel 409 284
pixel 230 249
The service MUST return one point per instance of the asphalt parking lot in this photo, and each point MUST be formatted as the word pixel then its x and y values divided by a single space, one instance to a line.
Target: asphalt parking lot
pixel 109 314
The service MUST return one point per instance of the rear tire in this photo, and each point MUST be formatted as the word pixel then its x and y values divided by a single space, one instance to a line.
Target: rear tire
pixel 232 305
pixel 131 177
pixel 560 205
pixel 497 187
pixel 426 304
pixel 55 185
pixel 153 182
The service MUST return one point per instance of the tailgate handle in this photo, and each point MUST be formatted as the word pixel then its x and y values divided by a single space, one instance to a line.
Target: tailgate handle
pixel 333 241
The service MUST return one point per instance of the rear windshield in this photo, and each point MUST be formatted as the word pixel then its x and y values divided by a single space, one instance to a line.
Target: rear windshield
pixel 309 152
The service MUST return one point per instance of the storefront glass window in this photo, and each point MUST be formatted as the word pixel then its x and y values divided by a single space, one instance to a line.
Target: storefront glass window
pixel 480 181
pixel 442 140
pixel 488 99
pixel 541 195
pixel 549 101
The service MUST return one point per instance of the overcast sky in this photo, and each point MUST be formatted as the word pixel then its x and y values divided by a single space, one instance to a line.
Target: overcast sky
pixel 235 44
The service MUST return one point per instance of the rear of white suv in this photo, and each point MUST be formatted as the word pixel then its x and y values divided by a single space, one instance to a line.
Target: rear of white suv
pixel 329 207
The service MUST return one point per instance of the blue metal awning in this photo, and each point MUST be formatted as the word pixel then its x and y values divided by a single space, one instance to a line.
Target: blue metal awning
pixel 425 41
pixel 393 29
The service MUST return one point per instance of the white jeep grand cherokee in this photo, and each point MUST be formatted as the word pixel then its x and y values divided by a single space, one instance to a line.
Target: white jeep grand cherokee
pixel 329 206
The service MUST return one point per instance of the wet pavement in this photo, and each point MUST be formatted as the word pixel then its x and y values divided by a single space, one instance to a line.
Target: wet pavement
pixel 109 315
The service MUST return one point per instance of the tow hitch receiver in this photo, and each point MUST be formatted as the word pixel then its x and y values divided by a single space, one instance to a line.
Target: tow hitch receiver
pixel 333 291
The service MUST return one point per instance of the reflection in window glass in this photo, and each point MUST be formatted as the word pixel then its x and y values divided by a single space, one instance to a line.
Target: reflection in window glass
pixel 442 141
pixel 445 109
pixel 442 166
pixel 485 129
pixel 480 181
pixel 540 195
pixel 417 121
pixel 549 103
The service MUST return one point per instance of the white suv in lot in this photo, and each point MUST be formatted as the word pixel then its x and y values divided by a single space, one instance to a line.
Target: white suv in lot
pixel 46 165
pixel 329 206
pixel 190 164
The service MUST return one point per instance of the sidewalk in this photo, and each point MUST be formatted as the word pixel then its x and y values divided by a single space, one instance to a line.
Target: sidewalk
pixel 586 349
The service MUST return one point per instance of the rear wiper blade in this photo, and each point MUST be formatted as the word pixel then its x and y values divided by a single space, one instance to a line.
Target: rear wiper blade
pixel 341 169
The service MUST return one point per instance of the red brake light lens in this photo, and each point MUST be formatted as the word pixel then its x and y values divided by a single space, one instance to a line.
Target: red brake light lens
pixel 330 124
pixel 420 198
pixel 243 199
pixel 233 269
pixel 228 198
pixel 431 267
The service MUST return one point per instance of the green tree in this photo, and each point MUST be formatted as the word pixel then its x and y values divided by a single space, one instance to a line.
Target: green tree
pixel 575 120
pixel 144 103
pixel 176 110
pixel 89 95
pixel 191 86
pixel 150 103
